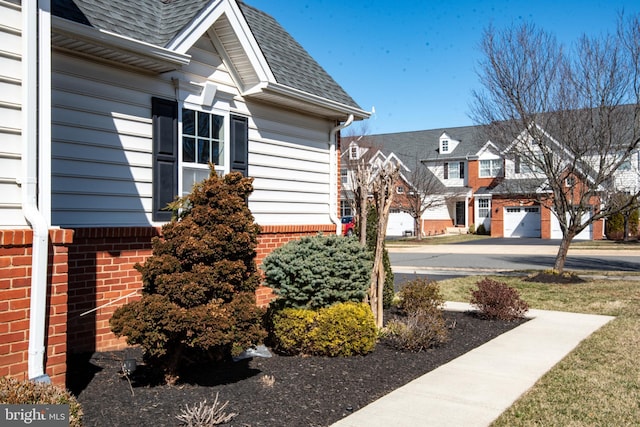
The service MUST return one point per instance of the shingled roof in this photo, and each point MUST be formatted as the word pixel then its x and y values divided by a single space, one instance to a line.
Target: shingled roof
pixel 424 144
pixel 158 22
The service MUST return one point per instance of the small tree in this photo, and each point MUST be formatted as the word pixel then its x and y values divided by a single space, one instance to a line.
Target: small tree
pixel 383 186
pixel 372 233
pixel 198 296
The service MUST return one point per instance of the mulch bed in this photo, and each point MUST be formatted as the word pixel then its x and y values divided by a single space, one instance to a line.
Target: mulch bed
pixel 307 391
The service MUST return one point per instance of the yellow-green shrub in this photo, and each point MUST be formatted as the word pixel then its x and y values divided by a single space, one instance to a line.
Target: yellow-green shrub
pixel 16 392
pixel 290 329
pixel 343 329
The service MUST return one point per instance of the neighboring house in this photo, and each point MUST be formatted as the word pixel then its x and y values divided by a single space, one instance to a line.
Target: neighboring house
pixel 480 185
pixel 108 111
pixel 400 222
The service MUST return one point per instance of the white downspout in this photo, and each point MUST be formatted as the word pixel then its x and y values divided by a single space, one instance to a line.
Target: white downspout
pixel 333 174
pixel 29 183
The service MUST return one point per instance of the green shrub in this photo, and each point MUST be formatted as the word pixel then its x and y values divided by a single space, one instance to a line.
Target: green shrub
pixel 496 300
pixel 344 329
pixel 614 226
pixel 16 392
pixel 481 231
pixel 198 301
pixel 318 271
pixel 423 325
pixel 472 228
pixel 290 328
pixel 420 295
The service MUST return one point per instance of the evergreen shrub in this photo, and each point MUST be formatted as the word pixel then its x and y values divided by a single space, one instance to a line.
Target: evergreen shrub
pixel 614 226
pixel 318 271
pixel 497 300
pixel 343 329
pixel 198 296
pixel 16 392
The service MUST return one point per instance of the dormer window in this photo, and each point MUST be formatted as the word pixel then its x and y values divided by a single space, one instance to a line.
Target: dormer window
pixel 444 146
pixel 353 152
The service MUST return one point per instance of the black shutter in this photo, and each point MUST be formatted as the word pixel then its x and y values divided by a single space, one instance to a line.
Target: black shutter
pixel 446 170
pixel 239 144
pixel 164 114
pixel 517 164
pixel 461 170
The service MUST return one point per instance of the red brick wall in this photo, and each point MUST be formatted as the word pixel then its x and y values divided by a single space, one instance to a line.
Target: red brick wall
pixel 434 227
pixel 102 277
pixel 15 293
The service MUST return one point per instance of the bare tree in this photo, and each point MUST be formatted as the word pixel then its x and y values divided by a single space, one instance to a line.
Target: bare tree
pixel 570 115
pixel 383 189
pixel 425 193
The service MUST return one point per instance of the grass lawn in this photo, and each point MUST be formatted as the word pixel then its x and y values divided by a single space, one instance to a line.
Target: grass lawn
pixel 598 384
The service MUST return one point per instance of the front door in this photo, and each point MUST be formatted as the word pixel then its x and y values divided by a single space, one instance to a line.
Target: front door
pixel 460 214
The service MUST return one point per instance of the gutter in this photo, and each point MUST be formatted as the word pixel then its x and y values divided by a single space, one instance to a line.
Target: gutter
pixel 333 175
pixel 305 97
pixel 29 183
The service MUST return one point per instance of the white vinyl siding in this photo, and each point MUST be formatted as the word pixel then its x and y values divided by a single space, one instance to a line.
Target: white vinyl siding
pixel 289 160
pixel 10 116
pixel 101 144
pixel 102 148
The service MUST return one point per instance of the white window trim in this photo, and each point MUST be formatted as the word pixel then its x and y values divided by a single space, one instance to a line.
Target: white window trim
pixel 221 169
pixel 493 171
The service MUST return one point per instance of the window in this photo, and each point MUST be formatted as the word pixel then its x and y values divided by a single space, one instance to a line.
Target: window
pixel 490 168
pixel 484 208
pixel 569 181
pixel 400 189
pixel 202 143
pixel 344 176
pixel 445 145
pixel 353 152
pixel 454 170
pixel 345 209
pixel 523 166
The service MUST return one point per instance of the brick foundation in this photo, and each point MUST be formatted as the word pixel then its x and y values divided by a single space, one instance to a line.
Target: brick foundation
pixel 91 273
pixel 102 277
pixel 15 293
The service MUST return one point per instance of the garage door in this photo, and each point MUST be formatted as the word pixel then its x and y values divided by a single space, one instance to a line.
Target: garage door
pixel 522 221
pixel 586 234
pixel 399 224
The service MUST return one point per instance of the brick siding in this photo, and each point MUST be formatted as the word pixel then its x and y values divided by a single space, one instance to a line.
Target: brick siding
pixel 15 293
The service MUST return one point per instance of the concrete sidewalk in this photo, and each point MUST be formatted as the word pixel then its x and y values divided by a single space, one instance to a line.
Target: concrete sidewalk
pixel 474 389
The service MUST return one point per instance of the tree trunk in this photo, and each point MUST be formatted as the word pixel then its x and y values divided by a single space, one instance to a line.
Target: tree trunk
pixel 418 229
pixel 561 257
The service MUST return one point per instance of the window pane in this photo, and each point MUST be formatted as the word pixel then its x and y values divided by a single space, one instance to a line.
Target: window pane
pixel 188 122
pixel 215 152
pixel 203 124
pixel 188 149
pixel 218 128
pixel 204 153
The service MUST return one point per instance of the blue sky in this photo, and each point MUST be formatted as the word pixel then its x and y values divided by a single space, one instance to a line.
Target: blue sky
pixel 416 61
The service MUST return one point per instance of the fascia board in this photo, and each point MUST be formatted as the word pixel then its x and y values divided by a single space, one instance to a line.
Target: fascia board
pixel 287 91
pixel 189 35
pixel 117 41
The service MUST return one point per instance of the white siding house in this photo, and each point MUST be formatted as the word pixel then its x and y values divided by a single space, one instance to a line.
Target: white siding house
pixel 10 115
pixel 109 113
